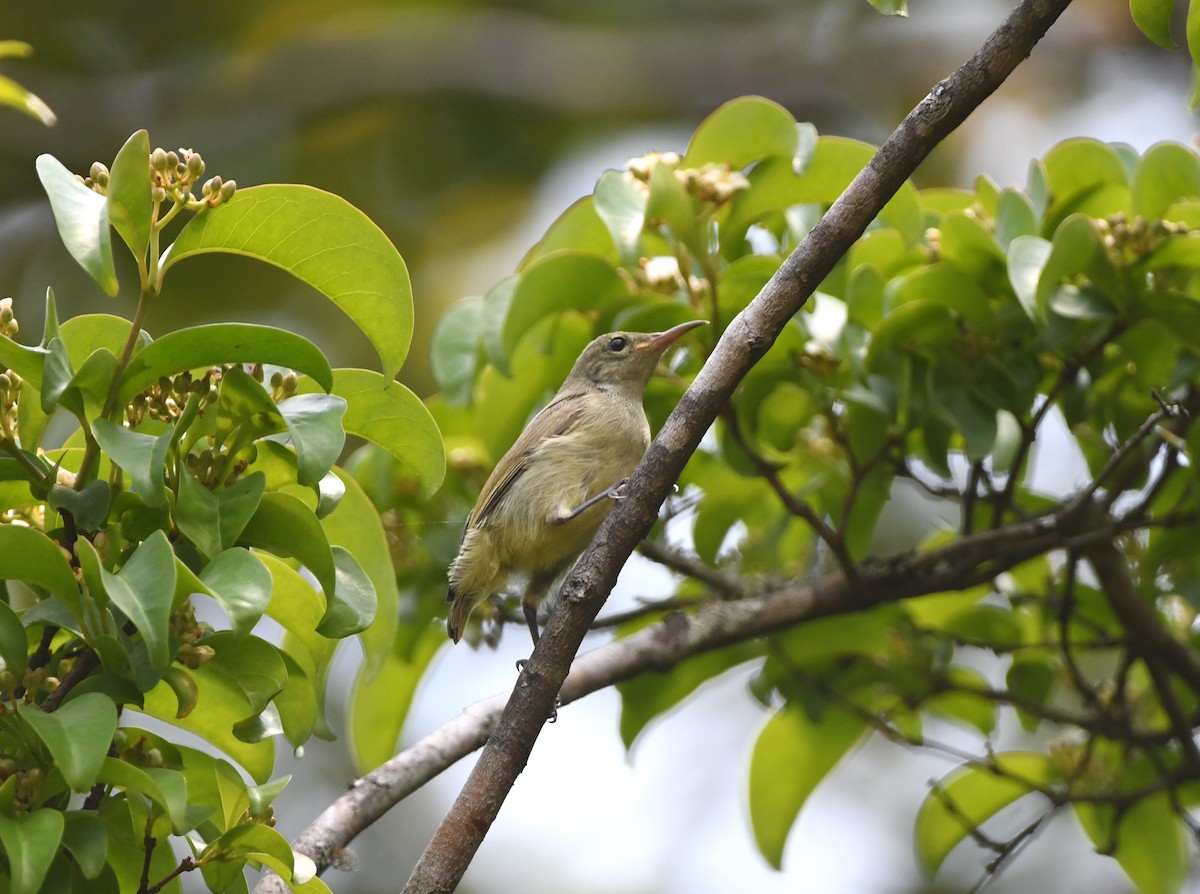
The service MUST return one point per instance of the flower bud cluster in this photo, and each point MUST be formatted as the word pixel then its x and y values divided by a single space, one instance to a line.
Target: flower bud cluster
pixel 10 392
pixel 712 184
pixel 8 322
pixel 187 630
pixel 1138 237
pixel 283 385
pixel 164 399
pixel 174 174
pixel 97 178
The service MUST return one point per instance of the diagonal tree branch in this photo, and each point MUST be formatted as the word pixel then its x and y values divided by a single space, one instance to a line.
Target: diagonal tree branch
pixel 961 564
pixel 744 342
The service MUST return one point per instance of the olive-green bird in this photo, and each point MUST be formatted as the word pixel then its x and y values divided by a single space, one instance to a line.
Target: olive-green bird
pixel 547 496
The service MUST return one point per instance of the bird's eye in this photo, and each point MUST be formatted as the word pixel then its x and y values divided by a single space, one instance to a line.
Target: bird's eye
pixel 617 343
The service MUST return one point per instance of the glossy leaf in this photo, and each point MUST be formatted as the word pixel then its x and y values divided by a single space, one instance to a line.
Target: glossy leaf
pixel 214 520
pixel 622 207
pixel 30 842
pixel 86 839
pixel 565 281
pixel 741 131
pixel 141 456
pixel 14 646
pixel 353 606
pixel 390 415
pixel 129 205
pixel 1165 175
pixel 1027 256
pixel 379 704
pixel 29 555
pixel 455 349
pixel 82 219
pixel 322 240
pixel 579 228
pixel 240 584
pixel 78 736
pixel 253 842
pixel 970 795
pixel 286 527
pixel 144 589
pixel 1154 18
pixel 791 756
pixel 202 346
pixel 314 426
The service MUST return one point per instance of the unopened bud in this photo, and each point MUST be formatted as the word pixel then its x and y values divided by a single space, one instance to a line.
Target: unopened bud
pixel 227 190
pixel 195 165
pixel 172 160
pixel 158 160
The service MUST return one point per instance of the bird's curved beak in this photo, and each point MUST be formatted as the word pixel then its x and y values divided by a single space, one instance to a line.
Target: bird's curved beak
pixel 660 340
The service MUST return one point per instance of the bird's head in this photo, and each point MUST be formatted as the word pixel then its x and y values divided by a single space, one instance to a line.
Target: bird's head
pixel 626 359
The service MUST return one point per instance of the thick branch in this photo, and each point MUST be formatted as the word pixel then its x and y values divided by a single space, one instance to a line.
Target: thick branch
pixel 963 563
pixel 744 342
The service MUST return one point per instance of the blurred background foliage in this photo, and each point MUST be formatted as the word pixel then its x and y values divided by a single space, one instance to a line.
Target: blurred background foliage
pixel 444 121
pixel 463 129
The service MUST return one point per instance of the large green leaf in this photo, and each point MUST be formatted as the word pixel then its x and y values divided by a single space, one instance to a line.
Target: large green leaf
pixel 741 131
pixel 971 794
pixel 29 555
pixel 1148 840
pixel 353 606
pixel 285 526
pixel 455 349
pixel 78 736
pixel 322 240
pixel 390 415
pixel 214 520
pixel 622 207
pixel 14 646
pixel 201 346
pixel 236 579
pixel 142 456
pixel 144 589
pixel 129 204
pixel 82 219
pixel 1166 174
pixel 30 842
pixel 793 753
pixel 314 427
pixel 85 838
pixel 379 704
pixel 1154 18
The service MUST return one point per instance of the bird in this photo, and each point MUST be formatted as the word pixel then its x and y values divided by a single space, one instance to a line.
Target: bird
pixel 549 493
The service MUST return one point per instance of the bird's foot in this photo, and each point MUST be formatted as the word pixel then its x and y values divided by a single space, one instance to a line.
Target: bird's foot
pixel 618 490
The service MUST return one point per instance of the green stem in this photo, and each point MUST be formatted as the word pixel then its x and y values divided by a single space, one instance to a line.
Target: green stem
pixel 10 447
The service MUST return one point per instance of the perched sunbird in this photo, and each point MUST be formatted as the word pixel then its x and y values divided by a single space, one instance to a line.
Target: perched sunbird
pixel 547 496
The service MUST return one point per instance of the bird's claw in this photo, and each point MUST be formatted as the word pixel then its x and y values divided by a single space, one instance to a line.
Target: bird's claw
pixel 617 491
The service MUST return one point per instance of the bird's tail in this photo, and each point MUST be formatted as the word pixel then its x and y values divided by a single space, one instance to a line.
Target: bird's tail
pixel 460 608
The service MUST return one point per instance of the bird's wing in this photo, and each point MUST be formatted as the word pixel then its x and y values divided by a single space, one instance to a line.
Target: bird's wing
pixel 557 418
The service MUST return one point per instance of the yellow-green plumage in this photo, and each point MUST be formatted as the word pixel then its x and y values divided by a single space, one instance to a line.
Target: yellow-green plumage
pixel 526 522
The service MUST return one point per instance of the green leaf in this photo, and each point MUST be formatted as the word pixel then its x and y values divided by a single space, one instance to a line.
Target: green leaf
pixel 149 782
pixel 141 456
pixel 129 205
pixel 78 735
pixel 648 696
pixel 579 228
pixel 1027 257
pixel 792 754
pixel 144 589
pixel 352 608
pixel 88 507
pixel 240 584
pixel 970 795
pixel 891 7
pixel 741 131
pixel 622 207
pixel 967 703
pixel 1148 841
pixel 251 664
pixel 30 842
pixel 390 415
pixel 203 346
pixel 379 704
pixel 322 240
pixel 355 526
pixel 1077 250
pixel 1193 34
pixel 314 425
pixel 15 96
pixel 455 348
pixel 214 520
pixel 1015 217
pixel 283 525
pixel 82 219
pixel 86 839
pixel 1085 177
pixel 253 841
pixel 564 281
pixel 1154 18
pixel 1165 175
pixel 29 555
pixel 14 646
